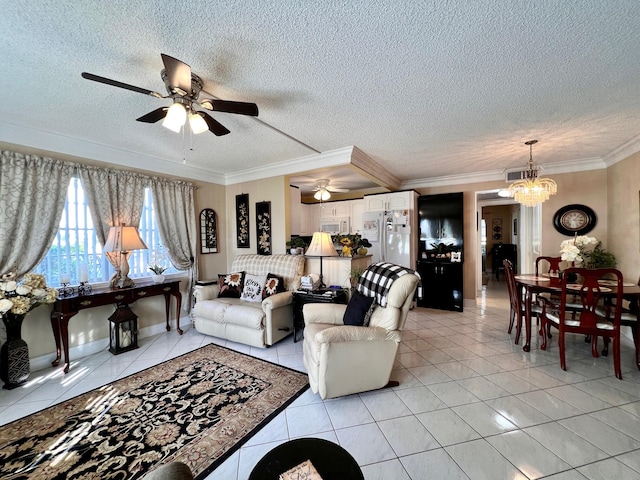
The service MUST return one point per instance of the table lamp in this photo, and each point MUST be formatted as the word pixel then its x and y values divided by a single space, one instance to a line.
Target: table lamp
pixel 120 242
pixel 321 246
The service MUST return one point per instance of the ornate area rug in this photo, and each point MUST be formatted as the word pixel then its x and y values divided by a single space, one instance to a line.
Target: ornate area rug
pixel 197 408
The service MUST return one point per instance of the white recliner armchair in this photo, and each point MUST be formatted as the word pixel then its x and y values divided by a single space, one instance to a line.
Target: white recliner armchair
pixel 345 359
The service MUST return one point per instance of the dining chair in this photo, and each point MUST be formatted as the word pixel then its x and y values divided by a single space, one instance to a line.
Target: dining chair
pixel 587 319
pixel 518 307
pixel 628 318
pixel 548 265
pixel 551 266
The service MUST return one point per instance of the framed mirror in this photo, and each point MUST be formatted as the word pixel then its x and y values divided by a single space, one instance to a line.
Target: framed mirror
pixel 208 231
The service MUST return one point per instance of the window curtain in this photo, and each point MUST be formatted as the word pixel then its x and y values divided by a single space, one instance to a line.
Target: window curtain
pixel 176 219
pixel 114 197
pixel 33 191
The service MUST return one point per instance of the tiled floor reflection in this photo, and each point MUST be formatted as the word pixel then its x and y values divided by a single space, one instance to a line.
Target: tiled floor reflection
pixel 470 405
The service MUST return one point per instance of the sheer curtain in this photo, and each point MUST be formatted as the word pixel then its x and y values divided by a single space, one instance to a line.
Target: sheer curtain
pixel 33 191
pixel 175 213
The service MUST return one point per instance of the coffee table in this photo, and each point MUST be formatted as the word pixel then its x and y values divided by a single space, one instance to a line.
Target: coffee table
pixel 331 460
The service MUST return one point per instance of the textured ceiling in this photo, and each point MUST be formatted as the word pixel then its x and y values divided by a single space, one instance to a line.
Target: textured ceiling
pixel 426 89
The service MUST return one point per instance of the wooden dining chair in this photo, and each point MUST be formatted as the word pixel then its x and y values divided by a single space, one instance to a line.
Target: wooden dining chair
pixel 548 265
pixel 628 318
pixel 518 307
pixel 587 319
pixel 551 266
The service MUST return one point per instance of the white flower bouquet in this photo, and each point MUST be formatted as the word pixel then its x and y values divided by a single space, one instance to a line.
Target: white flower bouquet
pixel 19 298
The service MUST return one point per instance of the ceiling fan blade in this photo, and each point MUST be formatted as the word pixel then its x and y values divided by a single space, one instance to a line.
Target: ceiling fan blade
pixel 178 73
pixel 229 106
pixel 153 117
pixel 337 190
pixel 214 126
pixel 115 83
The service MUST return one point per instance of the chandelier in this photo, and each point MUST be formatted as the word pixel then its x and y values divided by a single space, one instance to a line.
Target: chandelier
pixel 531 190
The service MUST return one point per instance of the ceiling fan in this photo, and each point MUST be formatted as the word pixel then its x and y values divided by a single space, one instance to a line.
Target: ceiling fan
pixel 184 88
pixel 323 190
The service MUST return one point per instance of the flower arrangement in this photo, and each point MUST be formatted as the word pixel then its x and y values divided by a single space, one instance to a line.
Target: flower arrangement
pixel 588 251
pixel 351 242
pixel 19 298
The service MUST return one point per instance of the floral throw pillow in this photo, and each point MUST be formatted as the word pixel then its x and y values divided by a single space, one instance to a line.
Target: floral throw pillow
pixel 231 284
pixel 252 289
pixel 274 284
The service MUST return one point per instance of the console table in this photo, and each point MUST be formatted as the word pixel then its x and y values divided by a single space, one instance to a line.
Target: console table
pixel 66 307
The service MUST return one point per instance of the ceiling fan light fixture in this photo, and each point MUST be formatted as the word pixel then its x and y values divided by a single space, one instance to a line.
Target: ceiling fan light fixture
pixel 176 117
pixel 197 123
pixel 322 194
pixel 531 190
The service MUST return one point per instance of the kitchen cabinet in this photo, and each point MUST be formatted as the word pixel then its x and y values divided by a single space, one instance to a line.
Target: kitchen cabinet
pixel 333 210
pixel 378 202
pixel 441 285
pixel 310 221
pixel 357 209
pixel 295 211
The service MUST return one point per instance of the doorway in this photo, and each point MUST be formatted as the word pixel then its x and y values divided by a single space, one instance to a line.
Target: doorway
pixel 503 221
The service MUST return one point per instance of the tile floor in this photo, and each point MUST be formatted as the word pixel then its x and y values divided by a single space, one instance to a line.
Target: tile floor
pixel 470 405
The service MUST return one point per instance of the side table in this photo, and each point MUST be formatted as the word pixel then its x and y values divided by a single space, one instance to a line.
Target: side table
pixel 330 460
pixel 302 297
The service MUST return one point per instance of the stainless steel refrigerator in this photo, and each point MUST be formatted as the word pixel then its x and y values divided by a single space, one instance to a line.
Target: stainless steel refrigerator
pixel 390 235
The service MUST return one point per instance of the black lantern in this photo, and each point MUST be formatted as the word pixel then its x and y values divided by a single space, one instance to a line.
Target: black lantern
pixel 123 330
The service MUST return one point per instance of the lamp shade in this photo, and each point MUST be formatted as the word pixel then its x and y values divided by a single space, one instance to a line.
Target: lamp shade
pixel 322 194
pixel 197 123
pixel 321 246
pixel 176 116
pixel 123 239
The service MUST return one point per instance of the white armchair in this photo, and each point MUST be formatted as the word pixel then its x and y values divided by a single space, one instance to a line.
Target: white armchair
pixel 345 359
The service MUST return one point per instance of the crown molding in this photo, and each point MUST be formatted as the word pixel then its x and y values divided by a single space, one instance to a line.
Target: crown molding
pixel 499 175
pixel 64 145
pixel 623 151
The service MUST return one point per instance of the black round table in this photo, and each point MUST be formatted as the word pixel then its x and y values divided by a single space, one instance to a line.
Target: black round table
pixel 330 460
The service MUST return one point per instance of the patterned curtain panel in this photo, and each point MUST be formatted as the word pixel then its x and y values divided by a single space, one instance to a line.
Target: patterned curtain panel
pixel 33 190
pixel 114 197
pixel 177 225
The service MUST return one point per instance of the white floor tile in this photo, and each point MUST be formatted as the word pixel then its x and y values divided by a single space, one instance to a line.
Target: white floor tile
pixel 431 465
pixel 479 460
pixel 407 435
pixel 527 455
pixel 461 379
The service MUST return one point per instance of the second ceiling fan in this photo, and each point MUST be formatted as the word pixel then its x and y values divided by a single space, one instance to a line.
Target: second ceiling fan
pixel 183 87
pixel 323 190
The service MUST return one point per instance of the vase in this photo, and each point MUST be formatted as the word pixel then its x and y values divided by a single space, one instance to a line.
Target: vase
pixel 158 278
pixel 14 353
pixel 362 251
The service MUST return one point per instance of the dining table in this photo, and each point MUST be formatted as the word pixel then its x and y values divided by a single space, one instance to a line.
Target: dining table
pixel 530 284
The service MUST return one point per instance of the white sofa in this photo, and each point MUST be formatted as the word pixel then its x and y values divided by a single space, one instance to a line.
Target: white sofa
pixel 256 324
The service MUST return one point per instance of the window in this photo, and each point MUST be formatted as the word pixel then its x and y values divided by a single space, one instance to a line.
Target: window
pixel 76 242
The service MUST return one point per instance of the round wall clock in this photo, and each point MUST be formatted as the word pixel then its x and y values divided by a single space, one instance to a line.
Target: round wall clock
pixel 574 219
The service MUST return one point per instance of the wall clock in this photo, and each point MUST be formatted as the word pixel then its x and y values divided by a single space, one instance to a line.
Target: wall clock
pixel 575 219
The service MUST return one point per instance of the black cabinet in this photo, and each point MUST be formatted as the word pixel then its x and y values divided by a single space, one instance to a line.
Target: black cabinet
pixel 441 285
pixel 440 220
pixel 302 297
pixel 441 239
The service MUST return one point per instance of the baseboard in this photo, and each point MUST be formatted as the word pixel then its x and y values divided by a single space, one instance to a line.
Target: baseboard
pixel 44 361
